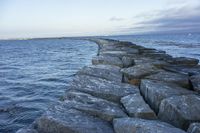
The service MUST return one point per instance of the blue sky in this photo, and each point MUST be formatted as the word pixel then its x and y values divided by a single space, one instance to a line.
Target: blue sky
pixel 54 18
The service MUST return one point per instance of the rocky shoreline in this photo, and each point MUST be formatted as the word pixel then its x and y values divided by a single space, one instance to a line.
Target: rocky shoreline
pixel 128 89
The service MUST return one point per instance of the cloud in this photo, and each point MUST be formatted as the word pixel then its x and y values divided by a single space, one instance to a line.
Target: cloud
pixel 174 19
pixel 116 19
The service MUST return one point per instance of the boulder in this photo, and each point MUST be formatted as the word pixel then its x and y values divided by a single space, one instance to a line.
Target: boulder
pixel 94 106
pixel 105 89
pixel 158 56
pixel 184 61
pixel 194 128
pixel 135 125
pixel 155 91
pixel 136 107
pixel 180 79
pixel 133 74
pixel 188 70
pixel 127 61
pixel 195 80
pixel 180 111
pixel 61 119
pixel 112 53
pixel 107 60
pixel 108 72
pixel 151 50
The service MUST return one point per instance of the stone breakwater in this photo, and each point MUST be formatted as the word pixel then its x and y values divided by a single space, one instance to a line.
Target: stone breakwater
pixel 128 89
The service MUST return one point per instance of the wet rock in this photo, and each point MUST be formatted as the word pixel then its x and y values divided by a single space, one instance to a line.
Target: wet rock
pixel 127 61
pixel 134 74
pixel 195 80
pixel 94 106
pixel 134 125
pixel 109 90
pixel 180 111
pixel 103 71
pixel 107 60
pixel 155 91
pixel 184 61
pixel 26 130
pixel 62 119
pixel 151 50
pixel 194 128
pixel 180 79
pixel 136 107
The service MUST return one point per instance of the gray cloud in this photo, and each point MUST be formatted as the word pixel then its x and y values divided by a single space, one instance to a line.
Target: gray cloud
pixel 116 19
pixel 182 19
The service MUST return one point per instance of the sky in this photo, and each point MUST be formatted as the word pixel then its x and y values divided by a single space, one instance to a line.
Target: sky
pixel 59 18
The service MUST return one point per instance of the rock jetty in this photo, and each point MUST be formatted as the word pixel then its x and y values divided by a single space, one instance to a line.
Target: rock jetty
pixel 128 89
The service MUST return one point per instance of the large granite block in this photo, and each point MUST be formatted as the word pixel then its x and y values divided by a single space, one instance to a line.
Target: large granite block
pixel 184 61
pixel 62 119
pixel 107 60
pixel 94 106
pixel 134 125
pixel 180 111
pixel 155 91
pixel 180 79
pixel 108 72
pixel 134 74
pixel 136 107
pixel 109 90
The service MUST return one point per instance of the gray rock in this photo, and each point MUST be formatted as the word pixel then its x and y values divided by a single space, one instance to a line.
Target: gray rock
pixel 136 107
pixel 127 61
pixel 155 91
pixel 150 50
pixel 62 119
pixel 180 79
pixel 180 111
pixel 158 56
pixel 112 53
pixel 108 72
pixel 134 125
pixel 109 90
pixel 184 61
pixel 194 128
pixel 94 106
pixel 26 130
pixel 188 70
pixel 107 60
pixel 133 74
pixel 195 80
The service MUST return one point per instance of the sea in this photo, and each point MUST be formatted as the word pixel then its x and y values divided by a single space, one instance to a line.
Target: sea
pixel 35 73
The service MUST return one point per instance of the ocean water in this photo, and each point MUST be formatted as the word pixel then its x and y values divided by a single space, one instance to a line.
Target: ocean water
pixel 177 45
pixel 34 75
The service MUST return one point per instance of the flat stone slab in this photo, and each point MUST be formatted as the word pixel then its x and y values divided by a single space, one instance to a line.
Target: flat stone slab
pixel 94 106
pixel 107 60
pixel 155 91
pixel 195 80
pixel 180 79
pixel 180 111
pixel 134 74
pixel 105 89
pixel 108 72
pixel 136 107
pixel 194 128
pixel 134 125
pixel 62 119
pixel 118 53
pixel 184 61
pixel 188 70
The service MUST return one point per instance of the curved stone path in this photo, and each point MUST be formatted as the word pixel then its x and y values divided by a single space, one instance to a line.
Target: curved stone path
pixel 128 89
